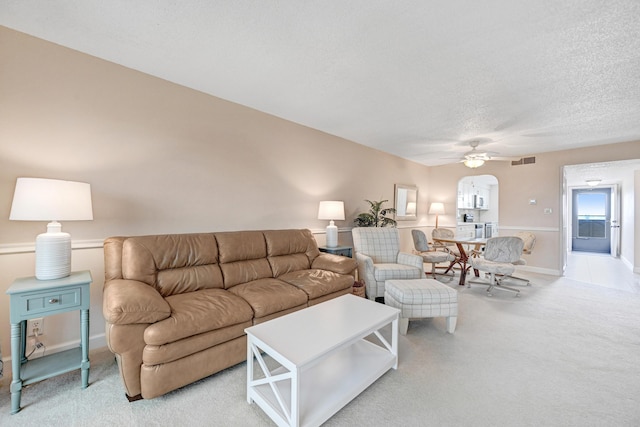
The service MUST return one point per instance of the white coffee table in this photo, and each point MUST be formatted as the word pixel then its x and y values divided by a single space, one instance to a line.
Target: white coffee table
pixel 324 360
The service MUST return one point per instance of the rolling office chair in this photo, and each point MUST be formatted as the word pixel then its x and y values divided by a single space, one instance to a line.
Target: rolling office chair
pixel 500 254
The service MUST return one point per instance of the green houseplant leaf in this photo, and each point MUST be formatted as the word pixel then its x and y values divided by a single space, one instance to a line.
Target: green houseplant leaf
pixel 377 215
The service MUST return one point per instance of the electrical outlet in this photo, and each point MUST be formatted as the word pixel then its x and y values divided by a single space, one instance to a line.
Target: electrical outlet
pixel 34 324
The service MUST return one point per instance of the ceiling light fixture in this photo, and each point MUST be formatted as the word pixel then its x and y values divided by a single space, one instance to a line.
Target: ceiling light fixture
pixel 593 182
pixel 473 163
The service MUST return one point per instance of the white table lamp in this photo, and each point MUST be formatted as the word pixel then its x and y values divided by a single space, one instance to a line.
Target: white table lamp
pixel 37 199
pixel 436 209
pixel 331 210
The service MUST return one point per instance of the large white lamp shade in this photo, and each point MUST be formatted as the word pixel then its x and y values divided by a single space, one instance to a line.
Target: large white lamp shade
pixel 436 209
pixel 38 199
pixel 331 210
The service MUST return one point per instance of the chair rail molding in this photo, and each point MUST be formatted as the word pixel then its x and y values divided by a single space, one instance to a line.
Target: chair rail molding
pixel 525 228
pixel 19 248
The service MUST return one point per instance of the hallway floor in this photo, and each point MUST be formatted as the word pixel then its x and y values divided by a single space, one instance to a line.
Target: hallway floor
pixel 602 270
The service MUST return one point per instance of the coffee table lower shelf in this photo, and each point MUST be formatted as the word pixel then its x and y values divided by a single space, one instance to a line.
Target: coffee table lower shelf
pixel 327 386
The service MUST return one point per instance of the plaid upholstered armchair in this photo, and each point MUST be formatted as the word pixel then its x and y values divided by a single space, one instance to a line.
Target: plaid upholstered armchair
pixel 379 258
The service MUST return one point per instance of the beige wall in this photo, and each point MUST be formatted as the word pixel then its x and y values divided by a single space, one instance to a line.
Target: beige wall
pixel 162 159
pixel 541 181
pixel 636 212
pixel 165 159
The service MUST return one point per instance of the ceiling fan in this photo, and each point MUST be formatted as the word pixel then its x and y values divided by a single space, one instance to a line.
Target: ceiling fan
pixel 476 158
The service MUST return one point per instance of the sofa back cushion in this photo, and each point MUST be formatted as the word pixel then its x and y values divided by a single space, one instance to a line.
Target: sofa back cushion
pixel 290 250
pixel 173 263
pixel 113 258
pixel 242 256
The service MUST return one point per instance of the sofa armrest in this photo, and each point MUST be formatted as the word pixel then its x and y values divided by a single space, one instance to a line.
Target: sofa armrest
pixel 411 259
pixel 336 263
pixel 129 301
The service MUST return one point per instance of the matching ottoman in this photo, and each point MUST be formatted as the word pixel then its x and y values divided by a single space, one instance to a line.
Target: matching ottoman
pixel 420 298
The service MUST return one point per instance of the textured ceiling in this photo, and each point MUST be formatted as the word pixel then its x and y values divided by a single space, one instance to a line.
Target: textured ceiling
pixel 415 78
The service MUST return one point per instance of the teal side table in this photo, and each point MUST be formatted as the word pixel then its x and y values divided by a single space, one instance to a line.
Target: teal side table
pixel 31 298
pixel 338 250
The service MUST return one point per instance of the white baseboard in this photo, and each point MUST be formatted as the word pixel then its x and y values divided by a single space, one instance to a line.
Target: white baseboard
pixel 548 271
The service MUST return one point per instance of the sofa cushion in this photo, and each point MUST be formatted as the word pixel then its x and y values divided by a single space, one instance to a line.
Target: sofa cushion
pixel 130 301
pixel 336 263
pixel 290 250
pixel 243 257
pixel 157 354
pixel 287 263
pixel 241 246
pixel 173 263
pixel 268 296
pixel 198 312
pixel 112 248
pixel 317 283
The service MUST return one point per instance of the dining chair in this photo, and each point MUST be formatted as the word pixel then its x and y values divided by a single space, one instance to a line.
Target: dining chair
pixel 429 255
pixel 529 240
pixel 498 259
pixel 444 233
pixel 377 251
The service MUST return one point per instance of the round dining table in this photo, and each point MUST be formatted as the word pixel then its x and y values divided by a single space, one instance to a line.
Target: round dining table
pixel 467 247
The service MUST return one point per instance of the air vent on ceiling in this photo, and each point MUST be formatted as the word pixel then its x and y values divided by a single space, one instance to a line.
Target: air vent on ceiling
pixel 523 161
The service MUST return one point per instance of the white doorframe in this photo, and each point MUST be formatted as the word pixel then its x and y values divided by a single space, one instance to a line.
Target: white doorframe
pixel 615 220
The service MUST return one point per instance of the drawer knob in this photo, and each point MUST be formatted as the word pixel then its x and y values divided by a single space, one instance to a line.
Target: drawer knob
pixel 53 301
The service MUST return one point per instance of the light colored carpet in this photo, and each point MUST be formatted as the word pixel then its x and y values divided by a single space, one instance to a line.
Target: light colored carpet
pixel 565 353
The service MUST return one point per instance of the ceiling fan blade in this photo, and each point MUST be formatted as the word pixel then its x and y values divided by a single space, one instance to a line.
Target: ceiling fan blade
pixel 506 124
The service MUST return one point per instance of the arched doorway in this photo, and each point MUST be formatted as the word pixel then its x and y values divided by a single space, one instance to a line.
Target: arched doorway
pixel 477 205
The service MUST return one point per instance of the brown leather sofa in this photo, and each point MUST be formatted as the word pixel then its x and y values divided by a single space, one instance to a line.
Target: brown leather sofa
pixel 176 305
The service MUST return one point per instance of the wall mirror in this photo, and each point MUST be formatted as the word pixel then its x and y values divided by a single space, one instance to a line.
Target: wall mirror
pixel 406 203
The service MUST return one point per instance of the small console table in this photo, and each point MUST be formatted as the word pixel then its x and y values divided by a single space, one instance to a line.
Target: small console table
pixel 31 298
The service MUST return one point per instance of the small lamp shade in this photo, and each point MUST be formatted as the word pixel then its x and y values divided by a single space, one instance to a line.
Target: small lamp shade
pixel 37 199
pixel 331 210
pixel 436 209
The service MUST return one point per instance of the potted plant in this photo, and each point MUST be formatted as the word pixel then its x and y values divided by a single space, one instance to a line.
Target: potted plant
pixel 377 216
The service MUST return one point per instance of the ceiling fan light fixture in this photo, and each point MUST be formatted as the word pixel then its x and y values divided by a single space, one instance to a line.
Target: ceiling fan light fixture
pixel 473 163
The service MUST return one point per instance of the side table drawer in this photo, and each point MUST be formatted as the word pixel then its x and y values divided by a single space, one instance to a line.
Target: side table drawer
pixel 51 301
